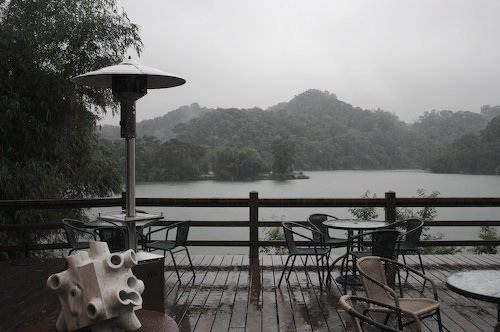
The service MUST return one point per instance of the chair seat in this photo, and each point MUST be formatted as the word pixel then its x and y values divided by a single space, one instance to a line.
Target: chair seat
pixel 359 254
pixel 161 245
pixel 311 251
pixel 403 247
pixel 417 306
pixel 338 243
pixel 81 245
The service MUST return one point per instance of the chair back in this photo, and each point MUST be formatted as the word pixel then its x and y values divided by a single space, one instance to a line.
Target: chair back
pixel 73 228
pixel 355 305
pixel 114 235
pixel 384 242
pixel 411 237
pixel 303 233
pixel 317 219
pixel 182 233
pixel 290 241
pixel 373 277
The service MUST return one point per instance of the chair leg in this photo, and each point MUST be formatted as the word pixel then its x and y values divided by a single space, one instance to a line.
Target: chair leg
pixel 291 267
pixel 344 272
pixel 404 262
pixel 440 324
pixel 191 264
pixel 328 272
pixel 319 273
pixel 175 266
pixel 421 264
pixel 284 270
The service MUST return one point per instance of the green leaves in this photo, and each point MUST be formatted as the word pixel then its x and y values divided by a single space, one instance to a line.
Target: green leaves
pixel 237 163
pixel 48 146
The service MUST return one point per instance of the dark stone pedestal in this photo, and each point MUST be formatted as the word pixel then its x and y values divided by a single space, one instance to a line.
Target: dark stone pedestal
pixel 151 271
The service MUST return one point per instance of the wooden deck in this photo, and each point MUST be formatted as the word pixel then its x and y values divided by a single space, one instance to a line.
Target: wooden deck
pixel 234 293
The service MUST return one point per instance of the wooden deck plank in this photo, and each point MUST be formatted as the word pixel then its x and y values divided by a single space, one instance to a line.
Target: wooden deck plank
pixel 225 310
pixel 283 305
pixel 300 313
pixel 190 318
pixel 199 304
pixel 269 306
pixel 211 305
pixel 254 307
pixel 182 301
pixel 239 315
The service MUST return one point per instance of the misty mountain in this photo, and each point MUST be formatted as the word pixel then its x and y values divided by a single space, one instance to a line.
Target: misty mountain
pixel 325 133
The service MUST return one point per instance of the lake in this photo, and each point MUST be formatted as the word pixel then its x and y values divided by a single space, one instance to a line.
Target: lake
pixel 323 184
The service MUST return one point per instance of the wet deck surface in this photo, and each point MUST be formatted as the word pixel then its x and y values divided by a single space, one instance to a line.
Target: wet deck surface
pixel 234 293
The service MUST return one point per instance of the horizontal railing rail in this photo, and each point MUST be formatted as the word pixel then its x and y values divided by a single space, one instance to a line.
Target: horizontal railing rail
pixel 389 203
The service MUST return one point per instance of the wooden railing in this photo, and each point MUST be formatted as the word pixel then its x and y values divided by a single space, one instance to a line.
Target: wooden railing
pixel 390 202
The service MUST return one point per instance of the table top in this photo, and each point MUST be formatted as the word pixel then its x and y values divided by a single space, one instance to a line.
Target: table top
pixel 480 284
pixel 140 222
pixel 353 224
pixel 122 217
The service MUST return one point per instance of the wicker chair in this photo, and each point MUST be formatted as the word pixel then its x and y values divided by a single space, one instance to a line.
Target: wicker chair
pixel 376 287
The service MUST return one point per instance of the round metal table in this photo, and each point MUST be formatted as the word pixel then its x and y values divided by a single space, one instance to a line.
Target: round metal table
pixel 481 285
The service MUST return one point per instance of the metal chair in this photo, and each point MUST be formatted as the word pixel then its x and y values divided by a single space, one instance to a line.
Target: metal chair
pixel 75 230
pixel 382 244
pixel 316 220
pixel 172 246
pixel 114 235
pixel 312 248
pixel 409 240
pixel 375 284
pixel 356 306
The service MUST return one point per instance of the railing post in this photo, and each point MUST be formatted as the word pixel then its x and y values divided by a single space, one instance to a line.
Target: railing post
pixel 254 224
pixel 390 207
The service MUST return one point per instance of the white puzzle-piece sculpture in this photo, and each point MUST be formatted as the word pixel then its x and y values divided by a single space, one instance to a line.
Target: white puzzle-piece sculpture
pixel 98 291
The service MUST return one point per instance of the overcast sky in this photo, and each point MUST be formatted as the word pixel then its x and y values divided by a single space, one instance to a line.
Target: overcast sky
pixel 404 57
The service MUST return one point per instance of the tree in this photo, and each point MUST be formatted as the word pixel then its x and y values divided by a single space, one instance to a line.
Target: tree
pixel 283 155
pixel 365 213
pixel 48 141
pixel 486 233
pixel 179 161
pixel 237 163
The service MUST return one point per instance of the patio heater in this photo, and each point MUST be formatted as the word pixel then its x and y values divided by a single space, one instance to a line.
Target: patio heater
pixel 129 81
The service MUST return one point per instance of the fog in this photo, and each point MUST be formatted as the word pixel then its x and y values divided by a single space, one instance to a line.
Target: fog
pixel 404 57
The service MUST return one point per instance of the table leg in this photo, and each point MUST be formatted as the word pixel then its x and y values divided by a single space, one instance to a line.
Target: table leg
pixel 497 327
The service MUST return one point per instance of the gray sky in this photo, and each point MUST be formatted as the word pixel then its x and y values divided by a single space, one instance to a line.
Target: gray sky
pixel 402 56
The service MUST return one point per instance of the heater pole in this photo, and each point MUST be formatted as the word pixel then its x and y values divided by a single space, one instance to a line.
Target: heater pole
pixel 128 131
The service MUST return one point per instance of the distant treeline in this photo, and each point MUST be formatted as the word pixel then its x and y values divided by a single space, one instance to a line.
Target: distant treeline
pixel 313 131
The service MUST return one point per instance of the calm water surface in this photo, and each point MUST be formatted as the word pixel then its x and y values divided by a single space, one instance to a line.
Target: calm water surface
pixel 324 184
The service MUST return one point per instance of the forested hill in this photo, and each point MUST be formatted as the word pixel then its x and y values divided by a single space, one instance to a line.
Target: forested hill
pixel 325 133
